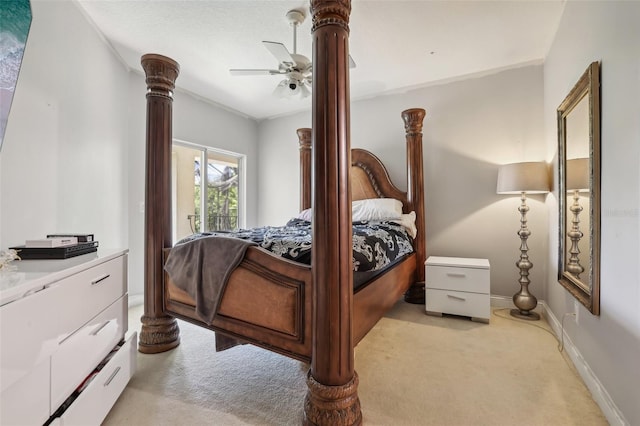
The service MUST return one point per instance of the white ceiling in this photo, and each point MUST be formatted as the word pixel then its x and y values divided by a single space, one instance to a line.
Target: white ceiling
pixel 395 44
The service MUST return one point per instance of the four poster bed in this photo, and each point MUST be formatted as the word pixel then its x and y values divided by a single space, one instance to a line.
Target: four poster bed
pixel 308 312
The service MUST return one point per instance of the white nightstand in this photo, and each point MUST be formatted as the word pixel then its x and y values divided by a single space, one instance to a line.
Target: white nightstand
pixel 459 286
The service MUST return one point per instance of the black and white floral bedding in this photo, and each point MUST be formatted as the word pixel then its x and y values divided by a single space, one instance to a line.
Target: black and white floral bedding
pixel 376 244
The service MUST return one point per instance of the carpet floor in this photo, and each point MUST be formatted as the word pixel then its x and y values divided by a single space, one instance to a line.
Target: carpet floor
pixel 414 369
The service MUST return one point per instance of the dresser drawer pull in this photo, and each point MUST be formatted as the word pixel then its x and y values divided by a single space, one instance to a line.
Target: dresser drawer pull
pixel 99 280
pixel 33 291
pixel 99 329
pixel 113 375
pixel 67 337
pixel 456 274
pixel 456 297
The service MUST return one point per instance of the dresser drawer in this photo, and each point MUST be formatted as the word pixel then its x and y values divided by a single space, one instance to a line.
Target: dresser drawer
pixel 457 279
pixel 96 400
pixel 26 402
pixel 29 331
pixel 474 305
pixel 91 291
pixel 80 352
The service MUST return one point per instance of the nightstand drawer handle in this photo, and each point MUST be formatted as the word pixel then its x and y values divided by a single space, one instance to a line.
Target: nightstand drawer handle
pixel 456 274
pixel 113 375
pixel 456 297
pixel 99 280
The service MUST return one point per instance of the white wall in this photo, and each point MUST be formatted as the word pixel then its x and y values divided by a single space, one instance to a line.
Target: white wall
pixel 64 157
pixel 610 343
pixel 471 127
pixel 194 121
pixel 73 156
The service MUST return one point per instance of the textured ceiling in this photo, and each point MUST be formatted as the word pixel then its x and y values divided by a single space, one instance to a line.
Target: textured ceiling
pixel 396 44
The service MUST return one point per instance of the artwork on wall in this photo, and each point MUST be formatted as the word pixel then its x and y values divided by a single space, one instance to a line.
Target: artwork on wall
pixel 15 20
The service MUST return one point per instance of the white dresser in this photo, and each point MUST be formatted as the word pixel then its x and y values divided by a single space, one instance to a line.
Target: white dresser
pixel 65 353
pixel 458 286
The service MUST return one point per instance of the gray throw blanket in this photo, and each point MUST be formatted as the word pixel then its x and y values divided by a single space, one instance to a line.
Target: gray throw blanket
pixel 201 267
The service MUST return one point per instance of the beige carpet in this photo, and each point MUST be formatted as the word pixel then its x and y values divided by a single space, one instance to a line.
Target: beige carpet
pixel 414 370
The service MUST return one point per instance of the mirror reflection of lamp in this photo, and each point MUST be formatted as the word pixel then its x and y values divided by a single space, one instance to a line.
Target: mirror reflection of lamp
pixel 524 178
pixel 577 182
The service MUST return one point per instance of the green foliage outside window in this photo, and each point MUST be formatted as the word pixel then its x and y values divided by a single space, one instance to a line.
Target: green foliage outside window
pixel 222 201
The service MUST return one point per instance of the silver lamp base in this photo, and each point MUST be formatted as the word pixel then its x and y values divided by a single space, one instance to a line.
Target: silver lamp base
pixel 531 316
pixel 524 301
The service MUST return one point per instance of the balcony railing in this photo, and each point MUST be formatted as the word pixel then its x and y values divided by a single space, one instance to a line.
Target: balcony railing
pixel 215 222
pixel 223 223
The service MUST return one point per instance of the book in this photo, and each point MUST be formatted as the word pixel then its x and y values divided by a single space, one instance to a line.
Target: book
pixel 52 242
pixel 63 252
pixel 82 238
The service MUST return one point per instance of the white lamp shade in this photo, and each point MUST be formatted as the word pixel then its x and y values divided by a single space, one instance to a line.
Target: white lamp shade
pixel 578 174
pixel 530 177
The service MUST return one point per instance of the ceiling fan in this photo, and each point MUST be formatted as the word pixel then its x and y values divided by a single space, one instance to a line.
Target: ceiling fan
pixel 296 68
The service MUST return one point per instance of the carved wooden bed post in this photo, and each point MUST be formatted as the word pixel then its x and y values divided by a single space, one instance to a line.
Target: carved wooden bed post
pixel 332 397
pixel 415 194
pixel 304 137
pixel 159 331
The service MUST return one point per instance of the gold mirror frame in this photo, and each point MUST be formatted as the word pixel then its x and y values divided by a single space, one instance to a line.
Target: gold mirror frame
pixel 579 141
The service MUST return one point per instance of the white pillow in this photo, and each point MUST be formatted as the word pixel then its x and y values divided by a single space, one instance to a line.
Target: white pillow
pixel 409 222
pixel 305 214
pixel 376 209
pixel 370 209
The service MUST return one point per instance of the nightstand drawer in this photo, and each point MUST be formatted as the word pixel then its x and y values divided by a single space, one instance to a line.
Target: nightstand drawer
pixel 457 279
pixel 472 305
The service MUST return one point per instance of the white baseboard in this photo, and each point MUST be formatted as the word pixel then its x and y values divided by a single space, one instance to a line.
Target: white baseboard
pixel 598 392
pixel 135 300
pixel 501 302
pixel 507 302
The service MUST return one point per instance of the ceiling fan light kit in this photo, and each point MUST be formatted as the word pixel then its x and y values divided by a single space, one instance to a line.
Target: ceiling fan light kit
pixel 290 87
pixel 295 67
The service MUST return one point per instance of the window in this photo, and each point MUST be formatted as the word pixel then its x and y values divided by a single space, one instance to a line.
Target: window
pixel 209 198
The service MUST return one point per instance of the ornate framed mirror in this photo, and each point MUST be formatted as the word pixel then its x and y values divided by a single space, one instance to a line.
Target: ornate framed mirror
pixel 579 190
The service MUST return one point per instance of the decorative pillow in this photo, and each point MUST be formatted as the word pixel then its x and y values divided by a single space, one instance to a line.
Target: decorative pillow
pixel 305 214
pixel 409 222
pixel 376 209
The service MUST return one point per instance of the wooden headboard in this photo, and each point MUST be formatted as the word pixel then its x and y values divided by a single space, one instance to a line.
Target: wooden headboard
pixel 370 179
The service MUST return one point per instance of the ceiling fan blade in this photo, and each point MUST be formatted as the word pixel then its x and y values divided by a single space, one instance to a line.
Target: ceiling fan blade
pixel 282 89
pixel 304 91
pixel 255 72
pixel 280 52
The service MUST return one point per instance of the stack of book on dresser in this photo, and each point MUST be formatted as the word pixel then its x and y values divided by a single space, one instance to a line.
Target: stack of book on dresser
pixel 57 246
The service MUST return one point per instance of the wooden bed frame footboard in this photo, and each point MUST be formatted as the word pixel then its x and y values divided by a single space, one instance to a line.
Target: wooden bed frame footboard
pixel 267 302
pixel 307 313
